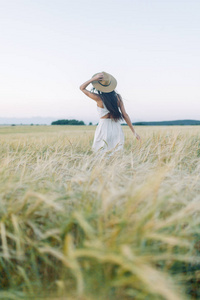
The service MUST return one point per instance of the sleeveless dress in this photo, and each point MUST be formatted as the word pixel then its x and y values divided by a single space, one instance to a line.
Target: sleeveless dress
pixel 108 135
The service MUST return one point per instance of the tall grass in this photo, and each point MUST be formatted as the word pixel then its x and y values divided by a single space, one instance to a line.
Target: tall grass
pixel 77 226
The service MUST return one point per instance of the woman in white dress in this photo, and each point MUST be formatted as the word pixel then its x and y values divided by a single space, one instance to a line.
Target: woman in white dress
pixel 108 135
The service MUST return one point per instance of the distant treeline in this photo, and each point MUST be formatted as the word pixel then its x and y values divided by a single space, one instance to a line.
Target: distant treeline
pixel 152 123
pixel 68 122
pixel 168 123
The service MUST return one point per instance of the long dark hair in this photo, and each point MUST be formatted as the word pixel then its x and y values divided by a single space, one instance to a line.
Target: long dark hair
pixel 110 100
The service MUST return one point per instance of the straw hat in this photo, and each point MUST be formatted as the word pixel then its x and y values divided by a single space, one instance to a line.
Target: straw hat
pixel 107 85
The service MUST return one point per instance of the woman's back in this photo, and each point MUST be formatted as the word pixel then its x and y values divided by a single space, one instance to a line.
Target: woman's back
pixel 103 111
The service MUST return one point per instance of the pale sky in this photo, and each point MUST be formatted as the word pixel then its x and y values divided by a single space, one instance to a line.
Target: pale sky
pixel 49 48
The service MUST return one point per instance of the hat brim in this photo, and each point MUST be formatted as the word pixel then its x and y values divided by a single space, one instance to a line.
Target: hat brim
pixel 105 89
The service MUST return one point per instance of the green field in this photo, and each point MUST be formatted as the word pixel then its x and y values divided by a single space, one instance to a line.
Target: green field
pixel 77 226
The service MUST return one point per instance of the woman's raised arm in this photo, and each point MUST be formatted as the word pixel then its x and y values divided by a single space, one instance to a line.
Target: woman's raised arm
pixel 83 86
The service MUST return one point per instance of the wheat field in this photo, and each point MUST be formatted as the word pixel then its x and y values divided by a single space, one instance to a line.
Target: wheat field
pixel 74 225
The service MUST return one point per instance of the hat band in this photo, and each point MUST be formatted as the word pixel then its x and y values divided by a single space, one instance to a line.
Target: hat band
pixel 104 84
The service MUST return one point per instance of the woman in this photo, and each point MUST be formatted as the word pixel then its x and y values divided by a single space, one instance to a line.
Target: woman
pixel 108 134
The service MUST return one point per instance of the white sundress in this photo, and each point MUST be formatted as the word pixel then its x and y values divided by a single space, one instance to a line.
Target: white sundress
pixel 108 135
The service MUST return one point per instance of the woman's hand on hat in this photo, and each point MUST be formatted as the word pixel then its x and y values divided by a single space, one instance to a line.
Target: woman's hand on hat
pixel 98 77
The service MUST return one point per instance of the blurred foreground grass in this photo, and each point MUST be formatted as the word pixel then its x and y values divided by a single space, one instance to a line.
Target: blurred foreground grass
pixel 77 226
